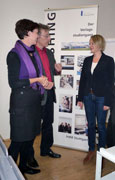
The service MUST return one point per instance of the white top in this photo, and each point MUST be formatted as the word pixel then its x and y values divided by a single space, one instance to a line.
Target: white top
pixel 94 64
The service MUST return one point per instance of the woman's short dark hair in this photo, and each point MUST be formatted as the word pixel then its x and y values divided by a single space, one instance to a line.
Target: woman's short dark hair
pixel 23 26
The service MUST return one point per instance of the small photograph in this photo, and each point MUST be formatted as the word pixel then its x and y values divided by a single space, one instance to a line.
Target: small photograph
pixel 67 62
pixel 65 103
pixel 66 81
pixel 80 61
pixel 64 125
pixel 81 125
pixel 77 84
pixel 73 46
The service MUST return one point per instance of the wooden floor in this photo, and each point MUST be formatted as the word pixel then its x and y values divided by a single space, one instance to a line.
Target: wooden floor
pixel 68 167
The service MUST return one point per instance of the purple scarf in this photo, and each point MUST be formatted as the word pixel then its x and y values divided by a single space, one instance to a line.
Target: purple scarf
pixel 27 69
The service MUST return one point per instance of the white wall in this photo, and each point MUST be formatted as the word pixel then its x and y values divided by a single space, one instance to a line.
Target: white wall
pixel 13 10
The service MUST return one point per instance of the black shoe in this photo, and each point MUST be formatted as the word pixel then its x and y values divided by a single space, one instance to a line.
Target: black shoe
pixel 28 170
pixel 32 163
pixel 51 154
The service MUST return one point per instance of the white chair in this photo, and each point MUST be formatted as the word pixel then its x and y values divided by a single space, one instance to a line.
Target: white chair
pixel 109 154
pixel 9 170
pixel 3 149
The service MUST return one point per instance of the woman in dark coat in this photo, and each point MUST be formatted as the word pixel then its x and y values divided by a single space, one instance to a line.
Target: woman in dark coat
pixel 27 88
pixel 95 91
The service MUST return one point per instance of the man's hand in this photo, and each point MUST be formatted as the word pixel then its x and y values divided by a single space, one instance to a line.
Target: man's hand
pixel 58 67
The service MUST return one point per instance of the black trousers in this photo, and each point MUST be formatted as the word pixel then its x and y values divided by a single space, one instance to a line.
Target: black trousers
pixel 47 127
pixel 21 148
pixel 111 128
pixel 111 124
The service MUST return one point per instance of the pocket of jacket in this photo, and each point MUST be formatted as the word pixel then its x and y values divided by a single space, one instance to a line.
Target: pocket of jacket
pixel 17 117
pixel 17 111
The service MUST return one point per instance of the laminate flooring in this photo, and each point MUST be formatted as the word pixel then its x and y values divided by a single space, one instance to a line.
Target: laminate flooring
pixel 68 167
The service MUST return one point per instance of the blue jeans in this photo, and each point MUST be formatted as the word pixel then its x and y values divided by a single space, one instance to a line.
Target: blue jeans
pixel 94 108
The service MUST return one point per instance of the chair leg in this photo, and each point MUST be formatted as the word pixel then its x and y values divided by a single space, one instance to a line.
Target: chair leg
pixel 98 166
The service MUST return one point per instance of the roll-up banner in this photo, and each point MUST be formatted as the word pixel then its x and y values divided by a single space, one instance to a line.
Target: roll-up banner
pixel 70 31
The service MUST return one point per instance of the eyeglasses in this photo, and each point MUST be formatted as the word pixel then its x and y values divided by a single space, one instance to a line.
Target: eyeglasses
pixel 46 36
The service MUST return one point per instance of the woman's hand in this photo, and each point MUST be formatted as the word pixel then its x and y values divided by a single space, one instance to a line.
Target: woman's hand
pixel 49 86
pixel 43 80
pixel 105 108
pixel 80 104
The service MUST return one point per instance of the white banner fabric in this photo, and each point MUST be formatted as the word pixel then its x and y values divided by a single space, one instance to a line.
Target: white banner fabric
pixel 70 31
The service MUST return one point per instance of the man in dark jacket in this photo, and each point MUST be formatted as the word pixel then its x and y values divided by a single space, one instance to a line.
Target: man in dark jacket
pixel 50 68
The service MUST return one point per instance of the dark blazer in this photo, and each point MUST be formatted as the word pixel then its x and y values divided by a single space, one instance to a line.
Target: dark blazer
pixel 101 81
pixel 53 72
pixel 25 103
